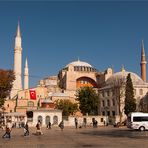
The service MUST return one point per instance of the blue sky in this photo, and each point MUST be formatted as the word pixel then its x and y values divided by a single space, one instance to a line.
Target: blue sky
pixel 104 34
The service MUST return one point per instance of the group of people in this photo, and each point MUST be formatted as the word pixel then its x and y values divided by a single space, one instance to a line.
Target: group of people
pixel 8 128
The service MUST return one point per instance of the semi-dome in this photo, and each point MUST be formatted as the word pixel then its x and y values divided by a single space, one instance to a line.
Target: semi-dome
pixel 123 75
pixel 79 63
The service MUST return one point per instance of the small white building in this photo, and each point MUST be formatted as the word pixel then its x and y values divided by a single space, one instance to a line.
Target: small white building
pixel 47 115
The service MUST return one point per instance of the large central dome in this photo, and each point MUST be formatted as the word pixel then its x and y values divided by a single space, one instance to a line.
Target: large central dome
pixel 79 63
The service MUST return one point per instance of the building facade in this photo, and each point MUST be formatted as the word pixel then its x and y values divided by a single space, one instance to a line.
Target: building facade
pixel 112 95
pixel 72 77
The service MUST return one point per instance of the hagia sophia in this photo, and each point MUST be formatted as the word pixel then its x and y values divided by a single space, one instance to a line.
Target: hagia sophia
pixel 70 78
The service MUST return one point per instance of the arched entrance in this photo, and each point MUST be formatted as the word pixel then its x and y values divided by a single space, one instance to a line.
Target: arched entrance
pixel 55 120
pixel 47 120
pixel 40 118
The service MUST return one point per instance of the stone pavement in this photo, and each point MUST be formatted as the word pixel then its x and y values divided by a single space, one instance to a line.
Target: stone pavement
pixel 103 137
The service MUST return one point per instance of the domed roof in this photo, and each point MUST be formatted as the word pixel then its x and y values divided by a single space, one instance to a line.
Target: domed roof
pixel 123 75
pixel 79 63
pixel 48 100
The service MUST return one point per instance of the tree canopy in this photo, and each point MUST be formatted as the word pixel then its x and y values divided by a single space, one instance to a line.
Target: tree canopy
pixel 6 82
pixel 130 102
pixel 88 100
pixel 67 107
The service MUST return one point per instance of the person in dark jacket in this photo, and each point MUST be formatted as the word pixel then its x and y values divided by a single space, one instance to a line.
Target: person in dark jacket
pixel 61 125
pixel 26 129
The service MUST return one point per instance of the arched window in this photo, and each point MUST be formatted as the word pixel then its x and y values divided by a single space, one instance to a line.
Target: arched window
pixel 103 103
pixel 55 120
pixel 30 104
pixel 141 92
pixel 47 120
pixel 40 118
pixel 108 102
pixel 113 102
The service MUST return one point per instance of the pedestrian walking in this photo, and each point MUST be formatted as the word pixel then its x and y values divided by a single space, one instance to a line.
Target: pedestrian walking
pixel 49 125
pixel 38 128
pixel 8 130
pixel 76 123
pixel 84 122
pixel 26 129
pixel 61 125
pixel 96 123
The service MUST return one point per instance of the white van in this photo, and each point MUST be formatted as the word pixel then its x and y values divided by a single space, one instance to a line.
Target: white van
pixel 138 120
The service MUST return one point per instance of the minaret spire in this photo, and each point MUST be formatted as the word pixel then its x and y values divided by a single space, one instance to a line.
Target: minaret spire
pixel 142 52
pixel 26 75
pixel 17 84
pixel 143 62
pixel 18 32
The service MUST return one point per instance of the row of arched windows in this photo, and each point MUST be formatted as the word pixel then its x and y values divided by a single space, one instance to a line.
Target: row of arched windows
pixel 48 119
pixel 84 68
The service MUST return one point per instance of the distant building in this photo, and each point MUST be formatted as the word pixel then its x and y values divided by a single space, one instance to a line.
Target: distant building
pixel 115 87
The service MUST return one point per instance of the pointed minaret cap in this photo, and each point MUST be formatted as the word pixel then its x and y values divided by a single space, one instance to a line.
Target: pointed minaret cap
pixel 18 32
pixel 143 58
pixel 26 63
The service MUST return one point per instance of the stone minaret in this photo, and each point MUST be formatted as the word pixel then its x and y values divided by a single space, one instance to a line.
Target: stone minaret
pixel 17 84
pixel 26 76
pixel 143 63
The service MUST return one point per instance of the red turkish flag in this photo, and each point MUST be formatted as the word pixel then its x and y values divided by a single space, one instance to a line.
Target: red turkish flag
pixel 32 94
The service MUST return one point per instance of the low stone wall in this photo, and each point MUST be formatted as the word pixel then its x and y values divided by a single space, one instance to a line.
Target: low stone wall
pixel 71 120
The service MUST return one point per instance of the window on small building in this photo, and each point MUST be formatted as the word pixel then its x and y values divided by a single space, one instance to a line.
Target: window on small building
pixel 101 119
pixel 108 93
pixel 113 113
pixel 141 92
pixel 113 102
pixel 108 103
pixel 40 118
pixel 113 92
pixel 75 68
pixel 55 120
pixel 108 113
pixel 103 113
pixel 103 103
pixel 102 93
pixel 30 104
pixel 134 91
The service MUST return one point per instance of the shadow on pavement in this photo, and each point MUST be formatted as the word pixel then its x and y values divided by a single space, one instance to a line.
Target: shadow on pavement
pixel 118 133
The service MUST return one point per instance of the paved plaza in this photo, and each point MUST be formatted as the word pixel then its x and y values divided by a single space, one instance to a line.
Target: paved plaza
pixel 101 137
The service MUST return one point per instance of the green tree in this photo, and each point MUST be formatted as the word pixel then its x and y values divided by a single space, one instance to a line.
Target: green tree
pixel 130 102
pixel 67 107
pixel 88 100
pixel 6 82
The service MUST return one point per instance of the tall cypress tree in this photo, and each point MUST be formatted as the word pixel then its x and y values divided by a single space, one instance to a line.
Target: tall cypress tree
pixel 130 102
